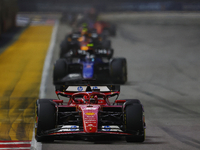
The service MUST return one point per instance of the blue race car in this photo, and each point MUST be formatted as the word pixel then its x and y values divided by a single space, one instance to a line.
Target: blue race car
pixel 94 64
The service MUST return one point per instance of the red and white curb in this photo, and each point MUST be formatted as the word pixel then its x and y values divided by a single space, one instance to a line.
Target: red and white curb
pixel 9 145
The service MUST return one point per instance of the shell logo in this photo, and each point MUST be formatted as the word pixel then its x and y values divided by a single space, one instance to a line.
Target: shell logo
pixel 89 113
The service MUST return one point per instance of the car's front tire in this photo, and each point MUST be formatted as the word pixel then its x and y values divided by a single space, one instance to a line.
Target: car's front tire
pixel 45 119
pixel 134 121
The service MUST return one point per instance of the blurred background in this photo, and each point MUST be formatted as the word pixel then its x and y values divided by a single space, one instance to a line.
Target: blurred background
pixel 108 5
pixel 9 8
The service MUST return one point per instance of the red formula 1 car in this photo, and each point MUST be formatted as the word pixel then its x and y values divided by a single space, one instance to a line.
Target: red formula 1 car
pixel 89 113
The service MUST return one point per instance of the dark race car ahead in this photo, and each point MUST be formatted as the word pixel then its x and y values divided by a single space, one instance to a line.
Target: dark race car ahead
pixel 89 113
pixel 94 64
pixel 84 40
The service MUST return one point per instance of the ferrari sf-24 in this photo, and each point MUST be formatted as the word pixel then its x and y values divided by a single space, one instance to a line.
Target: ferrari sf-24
pixel 87 112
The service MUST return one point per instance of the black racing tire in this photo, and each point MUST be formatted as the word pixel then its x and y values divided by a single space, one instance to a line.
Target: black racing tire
pixel 133 122
pixel 63 51
pixel 46 119
pixel 60 70
pixel 113 30
pixel 118 70
pixel 105 33
pixel 111 54
pixel 130 101
pixel 133 101
pixel 64 47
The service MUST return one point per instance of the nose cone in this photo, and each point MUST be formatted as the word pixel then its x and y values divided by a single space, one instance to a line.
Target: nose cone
pixel 90 118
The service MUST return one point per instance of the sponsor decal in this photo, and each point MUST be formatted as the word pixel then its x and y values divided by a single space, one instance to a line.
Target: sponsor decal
pixel 90 125
pixel 69 128
pixel 80 88
pixel 74 75
pixel 84 48
pixel 106 128
pixel 89 113
pixel 83 88
pixel 73 128
pixel 88 66
pixel 90 45
pixel 89 108
pixel 111 128
pixel 95 87
pixel 101 88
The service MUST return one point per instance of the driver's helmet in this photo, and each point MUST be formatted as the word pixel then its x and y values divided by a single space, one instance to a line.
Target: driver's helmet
pixel 85 98
pixel 93 99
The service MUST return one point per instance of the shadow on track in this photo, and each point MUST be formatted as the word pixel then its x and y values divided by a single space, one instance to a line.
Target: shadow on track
pixel 9 37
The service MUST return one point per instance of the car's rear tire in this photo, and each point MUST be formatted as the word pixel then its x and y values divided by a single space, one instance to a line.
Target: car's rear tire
pixel 133 121
pixel 113 30
pixel 110 55
pixel 46 119
pixel 64 47
pixel 60 70
pixel 136 101
pixel 118 70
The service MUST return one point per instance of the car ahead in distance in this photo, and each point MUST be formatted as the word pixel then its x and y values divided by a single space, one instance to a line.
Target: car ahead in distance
pixel 89 113
pixel 83 40
pixel 91 64
pixel 104 27
pixel 94 21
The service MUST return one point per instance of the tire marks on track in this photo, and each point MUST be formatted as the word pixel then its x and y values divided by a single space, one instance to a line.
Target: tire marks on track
pixel 181 71
pixel 171 105
pixel 126 35
pixel 170 89
pixel 135 83
pixel 182 138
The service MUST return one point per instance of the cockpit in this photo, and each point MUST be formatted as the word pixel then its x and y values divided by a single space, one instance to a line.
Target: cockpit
pixel 89 98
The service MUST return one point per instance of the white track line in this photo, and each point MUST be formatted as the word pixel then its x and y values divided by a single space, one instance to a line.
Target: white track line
pixel 34 144
pixel 47 61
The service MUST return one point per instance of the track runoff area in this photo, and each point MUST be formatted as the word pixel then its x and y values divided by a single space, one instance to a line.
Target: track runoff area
pixel 21 66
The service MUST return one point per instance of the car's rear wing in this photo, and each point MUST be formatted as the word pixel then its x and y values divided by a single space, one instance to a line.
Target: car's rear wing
pixel 66 90
pixel 98 52
pixel 81 81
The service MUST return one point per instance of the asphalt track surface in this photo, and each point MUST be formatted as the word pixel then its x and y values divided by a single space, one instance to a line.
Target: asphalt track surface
pixel 162 51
